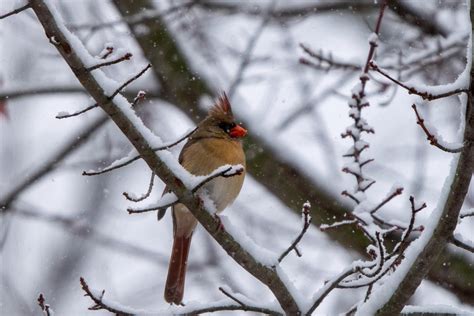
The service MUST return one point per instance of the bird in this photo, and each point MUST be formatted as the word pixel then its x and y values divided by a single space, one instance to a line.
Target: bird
pixel 215 142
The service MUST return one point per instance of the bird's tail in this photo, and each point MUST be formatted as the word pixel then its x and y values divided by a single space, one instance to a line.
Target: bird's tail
pixel 174 289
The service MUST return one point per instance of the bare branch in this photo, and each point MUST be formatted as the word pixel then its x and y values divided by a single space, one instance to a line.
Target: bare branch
pixel 50 164
pixel 455 240
pixel 16 11
pixel 245 61
pixel 99 304
pixel 466 215
pixel 127 56
pixel 429 136
pixel 326 63
pixel 231 296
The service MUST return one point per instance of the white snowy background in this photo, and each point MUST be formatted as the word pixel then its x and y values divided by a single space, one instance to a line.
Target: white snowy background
pixel 41 255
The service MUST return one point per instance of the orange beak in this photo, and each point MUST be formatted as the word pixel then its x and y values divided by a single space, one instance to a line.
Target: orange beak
pixel 237 132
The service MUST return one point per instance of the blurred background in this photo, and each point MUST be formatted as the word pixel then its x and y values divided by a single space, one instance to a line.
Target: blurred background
pixel 57 225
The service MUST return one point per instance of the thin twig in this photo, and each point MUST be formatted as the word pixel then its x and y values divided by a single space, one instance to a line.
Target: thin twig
pixel 99 304
pixel 466 215
pixel 461 244
pixel 245 61
pixel 152 209
pixel 125 163
pixel 127 56
pixel 411 90
pixel 396 192
pixel 432 138
pixel 144 196
pixel 231 296
pixel 329 286
pixel 44 306
pixel 331 63
pixel 117 91
pixel 306 223
pixel 16 11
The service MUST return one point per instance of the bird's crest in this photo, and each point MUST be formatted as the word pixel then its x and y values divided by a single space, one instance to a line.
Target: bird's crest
pixel 221 107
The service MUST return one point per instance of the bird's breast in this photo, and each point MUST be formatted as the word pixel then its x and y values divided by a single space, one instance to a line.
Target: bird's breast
pixel 205 156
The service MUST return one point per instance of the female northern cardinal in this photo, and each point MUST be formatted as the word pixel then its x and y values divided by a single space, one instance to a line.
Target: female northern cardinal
pixel 214 143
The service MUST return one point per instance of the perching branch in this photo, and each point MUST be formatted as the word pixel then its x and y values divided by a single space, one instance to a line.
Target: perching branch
pixel 431 137
pixel 166 202
pixel 119 111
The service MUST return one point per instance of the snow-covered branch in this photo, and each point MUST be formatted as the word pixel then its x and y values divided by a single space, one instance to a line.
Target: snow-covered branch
pixel 306 222
pixel 425 95
pixel 125 161
pixel 435 139
pixel 421 254
pixel 162 163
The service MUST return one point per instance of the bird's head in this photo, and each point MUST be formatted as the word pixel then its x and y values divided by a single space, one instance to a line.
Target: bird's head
pixel 220 121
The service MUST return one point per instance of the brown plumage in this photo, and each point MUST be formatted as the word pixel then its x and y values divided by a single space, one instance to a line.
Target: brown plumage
pixel 213 144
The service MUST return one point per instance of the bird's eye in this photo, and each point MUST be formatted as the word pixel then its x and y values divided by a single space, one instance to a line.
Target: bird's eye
pixel 226 127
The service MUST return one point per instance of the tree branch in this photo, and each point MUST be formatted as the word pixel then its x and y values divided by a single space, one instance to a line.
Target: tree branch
pixel 16 11
pixel 431 137
pixel 130 125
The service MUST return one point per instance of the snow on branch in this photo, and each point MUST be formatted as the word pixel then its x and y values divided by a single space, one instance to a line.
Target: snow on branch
pixel 125 161
pixel 443 92
pixel 305 212
pixel 191 308
pixel 133 198
pixel 127 56
pixel 64 115
pixel 432 136
pixel 169 199
pixel 162 163
pixel 421 254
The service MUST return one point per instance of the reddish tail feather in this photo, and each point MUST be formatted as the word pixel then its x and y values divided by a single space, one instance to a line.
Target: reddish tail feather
pixel 174 289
